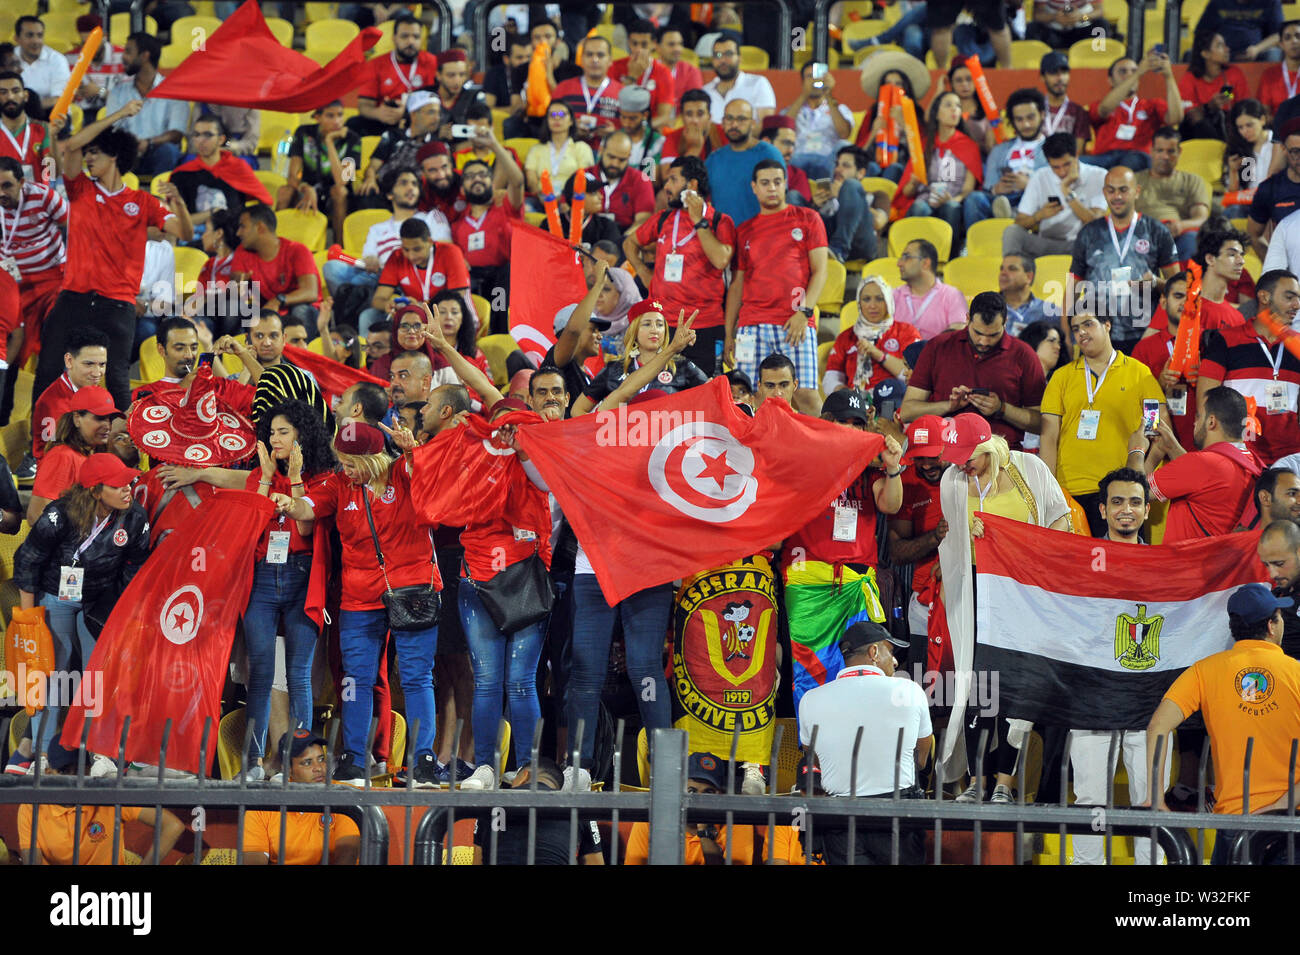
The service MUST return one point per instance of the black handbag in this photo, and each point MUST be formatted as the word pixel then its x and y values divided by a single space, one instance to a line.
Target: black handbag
pixel 414 607
pixel 518 596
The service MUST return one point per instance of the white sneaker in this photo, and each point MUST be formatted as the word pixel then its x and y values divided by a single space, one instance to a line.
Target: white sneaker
pixel 1002 795
pixel 583 783
pixel 753 783
pixel 482 778
pixel 969 794
pixel 101 765
pixel 151 769
pixel 255 773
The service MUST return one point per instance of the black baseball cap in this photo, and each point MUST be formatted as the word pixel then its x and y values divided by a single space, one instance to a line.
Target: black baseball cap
pixel 301 740
pixel 847 404
pixel 708 768
pixel 1053 62
pixel 888 396
pixel 864 633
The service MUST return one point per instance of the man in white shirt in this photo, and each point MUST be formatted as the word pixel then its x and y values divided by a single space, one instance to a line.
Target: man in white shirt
pixel 1057 202
pixel 160 124
pixel 45 71
pixel 822 124
pixel 157 289
pixel 865 695
pixel 1284 246
pixel 730 83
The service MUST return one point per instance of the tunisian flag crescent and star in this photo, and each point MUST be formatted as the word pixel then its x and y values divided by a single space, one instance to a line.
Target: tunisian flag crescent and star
pixel 545 276
pixel 164 649
pixel 690 482
pixel 243 64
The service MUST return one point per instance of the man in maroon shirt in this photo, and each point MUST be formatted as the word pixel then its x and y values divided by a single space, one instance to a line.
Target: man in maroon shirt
pixel 647 72
pixel 592 98
pixel 980 367
pixel 626 193
pixel 282 272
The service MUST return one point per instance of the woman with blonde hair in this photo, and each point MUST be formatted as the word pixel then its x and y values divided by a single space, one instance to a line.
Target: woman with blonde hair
pixel 872 349
pixel 987 478
pixel 646 337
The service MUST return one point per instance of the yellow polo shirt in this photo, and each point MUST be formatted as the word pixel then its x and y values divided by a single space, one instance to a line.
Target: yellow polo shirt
pixel 1081 464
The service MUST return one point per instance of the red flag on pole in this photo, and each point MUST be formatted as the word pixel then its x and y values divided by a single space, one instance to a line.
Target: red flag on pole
pixel 243 64
pixel 164 649
pixel 691 481
pixel 545 276
pixel 333 377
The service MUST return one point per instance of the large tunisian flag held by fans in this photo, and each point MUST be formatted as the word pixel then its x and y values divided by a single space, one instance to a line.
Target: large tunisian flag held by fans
pixel 243 64
pixel 544 277
pixel 1087 632
pixel 164 650
pixel 688 482
pixel 333 377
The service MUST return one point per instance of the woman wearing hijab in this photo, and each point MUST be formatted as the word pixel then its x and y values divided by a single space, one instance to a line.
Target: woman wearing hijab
pixel 871 351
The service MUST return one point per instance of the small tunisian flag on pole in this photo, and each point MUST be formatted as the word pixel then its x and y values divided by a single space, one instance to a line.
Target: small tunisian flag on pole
pixel 164 649
pixel 545 276
pixel 689 482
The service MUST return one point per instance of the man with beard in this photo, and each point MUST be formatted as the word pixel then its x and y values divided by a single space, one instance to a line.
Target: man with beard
pixel 692 244
pixel 730 83
pixel 179 345
pixel 1010 164
pixel 21 138
pixel 160 124
pixel 455 93
pixel 592 98
pixel 916 531
pixel 1279 552
pixel 483 231
pixel 626 193
pixel 281 271
pixel 214 179
pixel 398 148
pixel 441 182
pixel 406 68
pixel 732 166
pixel 1062 115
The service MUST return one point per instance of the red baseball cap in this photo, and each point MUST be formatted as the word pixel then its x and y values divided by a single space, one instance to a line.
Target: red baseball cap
pixel 107 469
pixel 962 435
pixel 94 399
pixel 925 438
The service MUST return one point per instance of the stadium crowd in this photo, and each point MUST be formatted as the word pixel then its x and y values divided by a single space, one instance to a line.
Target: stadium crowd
pixel 1065 299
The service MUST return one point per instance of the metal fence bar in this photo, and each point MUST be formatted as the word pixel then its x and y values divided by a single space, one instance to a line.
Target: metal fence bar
pixel 771 817
pixel 619 729
pixel 1245 776
pixel 575 762
pixel 1290 802
pixel 1136 29
pixel 1173 28
pixel 853 792
pixel 809 756
pixel 668 779
pixel 81 778
pixel 1111 746
pixel 898 770
pixel 939 770
pixel 1203 769
pixel 121 775
pixel 533 754
pixel 731 791
pixel 1065 796
pixel 496 761
pixel 980 746
pixel 410 786
pixel 1020 798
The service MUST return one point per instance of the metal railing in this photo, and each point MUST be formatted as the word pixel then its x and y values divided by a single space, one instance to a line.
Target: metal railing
pixel 667 807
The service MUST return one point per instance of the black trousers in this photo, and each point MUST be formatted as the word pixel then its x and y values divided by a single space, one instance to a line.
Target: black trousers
pixel 77 309
pixel 831 841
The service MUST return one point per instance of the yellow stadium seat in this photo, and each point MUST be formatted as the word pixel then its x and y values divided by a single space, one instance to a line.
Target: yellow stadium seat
pixel 131 181
pixel 271 179
pixel 859 117
pixel 322 56
pixel 61 29
pixel 859 30
pixel 642 755
pixel 832 296
pixel 1253 265
pixel 885 267
pixel 535 218
pixel 520 144
pixel 357 224
pixel 314 12
pixel 281 29
pixel 1028 54
pixel 916 227
pixel 368 144
pixel 1051 269
pixel 194 31
pixel 823 354
pixel 330 34
pixel 788 756
pixel 848 316
pixel 151 363
pixel 119 28
pixel 985 237
pixel 385 42
pixel 274 125
pixel 754 58
pixel 482 308
pixel 189 263
pixel 690 56
pixel 1203 157
pixel 173 55
pixel 499 117
pixel 496 348
pixel 156 184
pixel 973 274
pixel 503 742
pixel 1095 53
pixel 302 225
pixel 874 184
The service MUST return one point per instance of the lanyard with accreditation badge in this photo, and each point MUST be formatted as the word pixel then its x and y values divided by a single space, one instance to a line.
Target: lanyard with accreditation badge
pixel 71 577
pixel 1090 419
pixel 1275 391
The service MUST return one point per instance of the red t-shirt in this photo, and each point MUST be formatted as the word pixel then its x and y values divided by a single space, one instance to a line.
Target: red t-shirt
pixel 816 540
pixel 58 472
pixel 773 253
pixel 216 271
pixel 406 542
pixel 1145 115
pixel 672 147
pixel 1154 351
pixel 47 411
pixel 486 241
pixel 600 103
pixel 29 148
pixel 278 276
pixel 700 285
pixel 1216 315
pixel 106 237
pixel 446 269
pixel 633 195
pixel 686 76
pixel 1198 92
pixel 921 506
pixel 149 494
pixel 657 79
pixel 388 79
pixel 1273 91
pixel 1208 491
pixel 280 485
pixel 843 356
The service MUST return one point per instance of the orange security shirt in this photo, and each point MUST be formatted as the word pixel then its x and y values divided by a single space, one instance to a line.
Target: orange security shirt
pixel 786 846
pixel 304 835
pixel 1250 690
pixel 56 833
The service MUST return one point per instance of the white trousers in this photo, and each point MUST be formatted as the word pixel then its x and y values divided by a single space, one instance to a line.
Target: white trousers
pixel 1088 749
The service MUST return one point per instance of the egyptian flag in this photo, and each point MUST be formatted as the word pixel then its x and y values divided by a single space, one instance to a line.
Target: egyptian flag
pixel 690 481
pixel 545 276
pixel 227 184
pixel 163 652
pixel 243 64
pixel 1089 633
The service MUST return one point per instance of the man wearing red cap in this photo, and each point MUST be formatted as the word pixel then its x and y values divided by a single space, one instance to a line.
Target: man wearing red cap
pixel 405 69
pixel 455 93
pixel 593 97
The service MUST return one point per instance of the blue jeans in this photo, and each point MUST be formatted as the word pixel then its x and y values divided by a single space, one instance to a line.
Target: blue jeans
pixel 361 639
pixel 1137 161
pixel 645 621
pixel 950 212
pixel 851 230
pixel 975 208
pixel 893 172
pixel 338 273
pixel 279 591
pixel 816 165
pixel 73 644
pixel 1186 245
pixel 502 663
pixel 158 159
pixel 908 32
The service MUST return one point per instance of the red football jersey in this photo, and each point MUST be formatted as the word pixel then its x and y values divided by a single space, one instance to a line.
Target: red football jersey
pixel 446 269
pixel 107 232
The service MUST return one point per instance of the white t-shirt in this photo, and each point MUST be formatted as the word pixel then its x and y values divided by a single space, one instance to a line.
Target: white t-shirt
pixel 158 280
pixel 864 696
pixel 814 129
pixel 1043 184
pixel 382 238
pixel 751 87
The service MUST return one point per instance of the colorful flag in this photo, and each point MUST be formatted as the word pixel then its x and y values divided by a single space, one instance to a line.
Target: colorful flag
pixel 1090 634
pixel 689 481
pixel 819 603
pixel 545 276
pixel 164 649
pixel 243 64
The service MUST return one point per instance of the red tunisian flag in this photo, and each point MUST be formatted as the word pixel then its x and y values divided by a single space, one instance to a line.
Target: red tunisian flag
pixel 164 649
pixel 333 377
pixel 545 276
pixel 243 64
pixel 688 482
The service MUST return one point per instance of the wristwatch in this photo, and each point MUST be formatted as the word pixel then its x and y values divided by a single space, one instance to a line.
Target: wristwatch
pixel 281 299
pixel 702 224
pixel 806 310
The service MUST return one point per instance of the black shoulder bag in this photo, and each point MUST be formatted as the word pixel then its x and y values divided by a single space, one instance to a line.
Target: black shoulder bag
pixel 518 596
pixel 414 607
